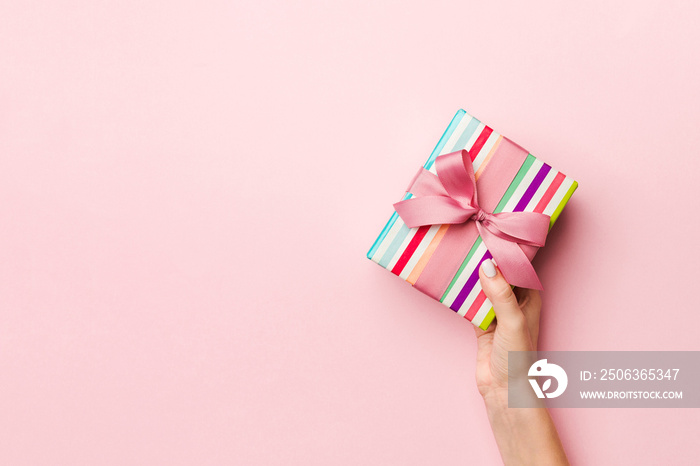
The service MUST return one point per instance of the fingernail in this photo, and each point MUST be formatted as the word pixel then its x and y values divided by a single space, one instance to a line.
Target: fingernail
pixel 488 268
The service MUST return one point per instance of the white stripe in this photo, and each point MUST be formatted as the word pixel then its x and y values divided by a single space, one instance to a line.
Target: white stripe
pixel 419 251
pixel 472 139
pixel 522 187
pixel 488 145
pixel 481 313
pixel 471 297
pixel 451 145
pixel 464 276
pixel 546 183
pixel 558 196
pixel 456 134
pixel 402 248
pixel 386 242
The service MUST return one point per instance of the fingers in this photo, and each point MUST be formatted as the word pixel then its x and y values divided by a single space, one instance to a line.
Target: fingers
pixel 501 295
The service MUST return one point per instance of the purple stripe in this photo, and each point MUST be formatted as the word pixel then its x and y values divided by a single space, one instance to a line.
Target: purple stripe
pixel 530 191
pixel 469 285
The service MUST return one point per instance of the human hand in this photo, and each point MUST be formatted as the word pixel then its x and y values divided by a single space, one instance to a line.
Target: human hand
pixel 525 436
pixel 516 329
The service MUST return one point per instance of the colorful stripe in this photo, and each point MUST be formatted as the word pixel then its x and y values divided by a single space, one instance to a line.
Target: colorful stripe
pixel 487 159
pixel 563 202
pixel 410 249
pixel 479 143
pixel 478 302
pixel 472 260
pixel 534 186
pixel 469 130
pixel 427 254
pixel 420 250
pixel 469 285
pixel 550 192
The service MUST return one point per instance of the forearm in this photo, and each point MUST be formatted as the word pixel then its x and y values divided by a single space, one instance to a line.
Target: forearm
pixel 525 436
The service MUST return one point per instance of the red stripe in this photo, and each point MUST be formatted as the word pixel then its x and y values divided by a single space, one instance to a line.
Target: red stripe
pixel 410 249
pixel 476 305
pixel 480 141
pixel 550 192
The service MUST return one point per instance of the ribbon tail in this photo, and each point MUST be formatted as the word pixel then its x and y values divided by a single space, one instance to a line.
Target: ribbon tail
pixel 522 227
pixel 512 260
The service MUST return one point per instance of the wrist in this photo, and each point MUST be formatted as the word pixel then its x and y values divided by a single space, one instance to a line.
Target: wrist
pixel 495 399
pixel 524 435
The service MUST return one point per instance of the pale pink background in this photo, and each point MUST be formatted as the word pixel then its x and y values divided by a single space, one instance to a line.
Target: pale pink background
pixel 188 190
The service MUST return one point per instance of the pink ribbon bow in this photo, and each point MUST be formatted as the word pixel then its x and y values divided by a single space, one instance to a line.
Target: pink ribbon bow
pixel 451 197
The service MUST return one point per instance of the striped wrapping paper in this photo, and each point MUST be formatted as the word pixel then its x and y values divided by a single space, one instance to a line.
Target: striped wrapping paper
pixel 536 187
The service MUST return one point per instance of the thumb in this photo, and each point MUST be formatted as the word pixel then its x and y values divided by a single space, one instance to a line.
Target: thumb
pixel 501 295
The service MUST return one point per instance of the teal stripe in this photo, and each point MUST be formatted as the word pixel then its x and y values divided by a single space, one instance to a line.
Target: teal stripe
pixel 443 140
pixel 468 132
pixel 394 246
pixel 382 235
pixel 433 155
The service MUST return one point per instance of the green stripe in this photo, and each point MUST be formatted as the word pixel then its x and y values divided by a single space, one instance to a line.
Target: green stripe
pixel 461 267
pixel 516 181
pixel 488 318
pixel 499 208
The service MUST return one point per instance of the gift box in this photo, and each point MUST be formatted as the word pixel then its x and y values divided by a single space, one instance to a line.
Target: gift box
pixel 511 197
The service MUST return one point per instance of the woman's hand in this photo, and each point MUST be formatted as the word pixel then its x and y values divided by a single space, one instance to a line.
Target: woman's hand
pixel 516 329
pixel 525 436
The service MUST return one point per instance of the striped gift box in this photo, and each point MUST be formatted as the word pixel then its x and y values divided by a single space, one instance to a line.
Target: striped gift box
pixel 536 187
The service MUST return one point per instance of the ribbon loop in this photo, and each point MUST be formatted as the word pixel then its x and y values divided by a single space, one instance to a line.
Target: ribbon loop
pixel 451 198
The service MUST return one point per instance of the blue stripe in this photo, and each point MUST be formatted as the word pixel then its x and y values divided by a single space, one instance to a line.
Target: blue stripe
pixel 438 148
pixel 394 246
pixel 468 132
